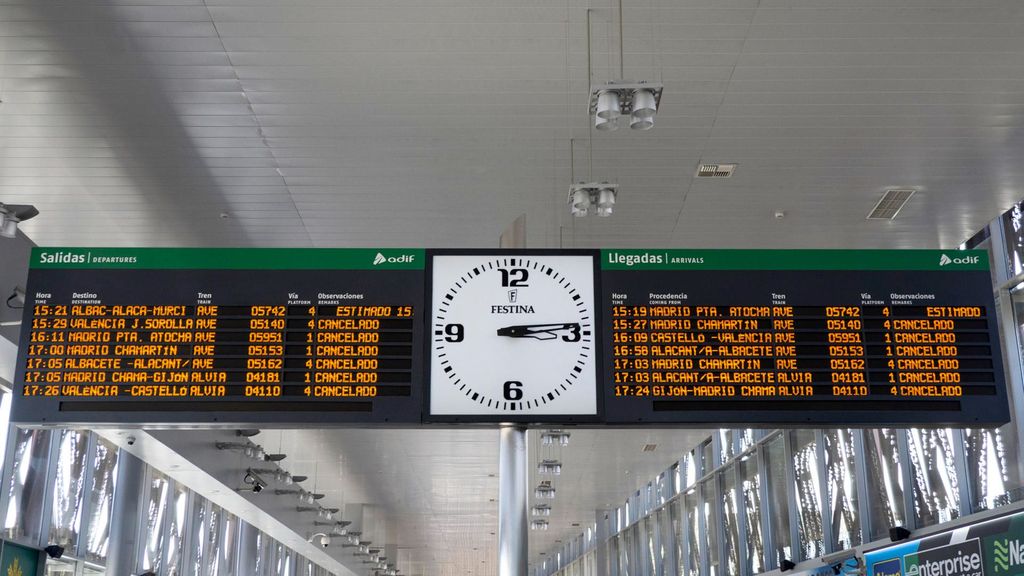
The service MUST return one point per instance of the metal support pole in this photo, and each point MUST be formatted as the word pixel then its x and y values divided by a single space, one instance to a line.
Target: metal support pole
pixel 512 479
pixel 247 548
pixel 125 514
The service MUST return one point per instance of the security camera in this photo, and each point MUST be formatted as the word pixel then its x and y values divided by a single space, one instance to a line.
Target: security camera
pixel 130 440
pixel 54 551
pixel 255 483
pixel 325 540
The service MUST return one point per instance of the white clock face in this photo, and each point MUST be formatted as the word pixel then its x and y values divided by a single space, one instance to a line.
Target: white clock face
pixel 512 335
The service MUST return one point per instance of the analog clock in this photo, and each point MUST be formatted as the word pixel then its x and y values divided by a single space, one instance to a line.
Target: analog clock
pixel 512 335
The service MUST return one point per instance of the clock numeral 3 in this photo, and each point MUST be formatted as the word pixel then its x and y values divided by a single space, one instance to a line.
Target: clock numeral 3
pixel 513 390
pixel 573 335
pixel 454 333
pixel 515 277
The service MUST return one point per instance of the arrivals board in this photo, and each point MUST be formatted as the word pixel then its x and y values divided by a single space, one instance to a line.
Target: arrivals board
pixel 406 337
pixel 819 336
pixel 223 335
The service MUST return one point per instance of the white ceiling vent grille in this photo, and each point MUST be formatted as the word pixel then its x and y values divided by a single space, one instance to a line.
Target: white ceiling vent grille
pixel 715 170
pixel 890 205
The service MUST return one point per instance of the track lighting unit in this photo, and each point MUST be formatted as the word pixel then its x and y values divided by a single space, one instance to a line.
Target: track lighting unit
pixel 11 215
pixel 552 437
pixel 592 197
pixel 637 100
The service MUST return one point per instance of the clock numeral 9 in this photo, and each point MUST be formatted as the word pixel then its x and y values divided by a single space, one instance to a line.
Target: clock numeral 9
pixel 454 333
pixel 515 277
pixel 513 390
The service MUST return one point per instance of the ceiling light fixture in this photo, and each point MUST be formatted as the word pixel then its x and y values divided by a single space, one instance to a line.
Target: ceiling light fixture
pixel 549 468
pixel 552 437
pixel 544 491
pixel 249 449
pixel 637 100
pixel 539 525
pixel 598 195
pixel 541 510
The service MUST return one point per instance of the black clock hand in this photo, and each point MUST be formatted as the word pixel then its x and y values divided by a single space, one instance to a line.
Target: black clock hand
pixel 536 331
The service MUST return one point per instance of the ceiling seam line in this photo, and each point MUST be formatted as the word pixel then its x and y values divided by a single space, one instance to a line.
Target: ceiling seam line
pixel 714 120
pixel 259 124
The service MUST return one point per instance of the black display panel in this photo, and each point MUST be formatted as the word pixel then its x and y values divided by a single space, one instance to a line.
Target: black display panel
pixel 791 337
pixel 222 336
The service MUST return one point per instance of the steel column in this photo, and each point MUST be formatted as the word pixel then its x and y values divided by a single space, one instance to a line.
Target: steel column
pixel 125 514
pixel 513 476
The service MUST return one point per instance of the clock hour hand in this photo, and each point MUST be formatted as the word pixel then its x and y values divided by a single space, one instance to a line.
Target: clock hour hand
pixel 536 331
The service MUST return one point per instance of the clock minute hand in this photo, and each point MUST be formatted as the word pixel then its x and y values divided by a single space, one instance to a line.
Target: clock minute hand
pixel 536 331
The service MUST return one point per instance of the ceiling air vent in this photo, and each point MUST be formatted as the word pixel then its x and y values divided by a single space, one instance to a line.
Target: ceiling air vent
pixel 650 447
pixel 715 170
pixel 890 205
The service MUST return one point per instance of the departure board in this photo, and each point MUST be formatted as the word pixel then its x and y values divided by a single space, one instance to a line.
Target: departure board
pixel 825 337
pixel 153 336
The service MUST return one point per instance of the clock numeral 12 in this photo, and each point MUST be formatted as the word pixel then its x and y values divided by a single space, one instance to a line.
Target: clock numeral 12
pixel 513 390
pixel 454 333
pixel 515 277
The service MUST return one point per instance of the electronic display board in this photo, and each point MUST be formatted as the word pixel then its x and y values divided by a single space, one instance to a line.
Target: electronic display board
pixel 206 336
pixel 405 337
pixel 819 336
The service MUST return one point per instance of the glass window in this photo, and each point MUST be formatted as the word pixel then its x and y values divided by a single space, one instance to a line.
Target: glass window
pixel 175 532
pixel 778 506
pixel 709 503
pixel 808 494
pixel 842 489
pixel 728 448
pixel 747 438
pixel 688 474
pixel 885 481
pixel 153 523
pixel 198 528
pixel 708 464
pixel 693 532
pixel 677 529
pixel 935 482
pixel 68 489
pixel 213 533
pixel 730 521
pixel 59 567
pixel 992 466
pixel 5 421
pixel 26 485
pixel 101 500
pixel 750 485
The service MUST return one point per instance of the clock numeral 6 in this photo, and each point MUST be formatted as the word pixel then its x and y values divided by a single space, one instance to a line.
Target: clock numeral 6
pixel 515 277
pixel 513 390
pixel 454 333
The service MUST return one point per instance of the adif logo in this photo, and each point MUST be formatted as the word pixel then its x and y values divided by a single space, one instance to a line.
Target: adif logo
pixel 403 259
pixel 1007 554
pixel 945 260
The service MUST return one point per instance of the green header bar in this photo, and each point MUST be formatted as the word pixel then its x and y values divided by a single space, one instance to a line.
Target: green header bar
pixel 653 259
pixel 230 258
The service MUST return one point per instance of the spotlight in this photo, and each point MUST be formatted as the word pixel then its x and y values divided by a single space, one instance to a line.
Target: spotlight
pixel 605 202
pixel 539 525
pixel 645 106
pixel 274 457
pixel 325 540
pixel 11 215
pixel 580 201
pixel 608 111
pixel 541 510
pixel 54 551
pixel 898 533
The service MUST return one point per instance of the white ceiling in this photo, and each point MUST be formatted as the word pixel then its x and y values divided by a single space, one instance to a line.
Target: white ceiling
pixel 437 122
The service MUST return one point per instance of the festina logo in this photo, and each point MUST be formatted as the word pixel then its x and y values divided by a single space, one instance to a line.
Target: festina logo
pixel 515 309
